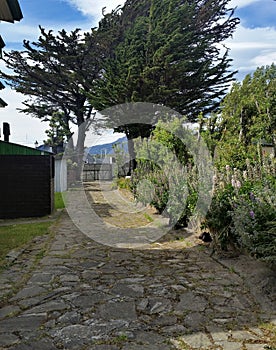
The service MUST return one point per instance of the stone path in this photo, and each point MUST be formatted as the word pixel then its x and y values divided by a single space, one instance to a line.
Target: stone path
pixel 65 291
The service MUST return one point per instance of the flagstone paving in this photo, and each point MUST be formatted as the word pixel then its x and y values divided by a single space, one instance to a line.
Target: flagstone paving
pixel 66 291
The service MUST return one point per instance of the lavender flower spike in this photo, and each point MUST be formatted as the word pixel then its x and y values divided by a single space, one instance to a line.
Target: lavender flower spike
pixel 252 214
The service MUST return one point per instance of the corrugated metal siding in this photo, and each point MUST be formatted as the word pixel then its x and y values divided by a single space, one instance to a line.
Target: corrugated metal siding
pixel 26 186
pixel 7 148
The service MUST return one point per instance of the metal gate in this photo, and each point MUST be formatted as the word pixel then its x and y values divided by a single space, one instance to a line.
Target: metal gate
pixel 92 172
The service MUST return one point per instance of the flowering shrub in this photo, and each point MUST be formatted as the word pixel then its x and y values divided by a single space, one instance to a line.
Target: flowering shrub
pixel 151 185
pixel 254 223
pixel 243 212
pixel 166 176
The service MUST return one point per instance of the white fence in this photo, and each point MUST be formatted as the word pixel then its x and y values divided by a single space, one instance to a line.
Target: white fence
pixel 60 175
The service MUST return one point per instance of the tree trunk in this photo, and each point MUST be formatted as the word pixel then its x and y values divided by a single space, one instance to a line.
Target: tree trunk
pixel 132 155
pixel 79 151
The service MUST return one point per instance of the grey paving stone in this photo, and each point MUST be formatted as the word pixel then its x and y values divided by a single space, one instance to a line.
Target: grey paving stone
pixel 177 329
pixel 8 310
pixel 149 337
pixel 41 278
pixel 195 321
pixel 29 292
pixel 104 347
pixel 197 340
pixel 132 290
pixel 69 278
pixel 69 318
pixel 243 335
pixel 145 347
pixel 87 300
pixel 119 310
pixel 192 302
pixel 219 334
pixel 256 346
pixel 22 323
pixel 227 345
pixel 99 295
pixel 73 335
pixel 164 320
pixel 53 305
pixel 8 339
pixel 43 344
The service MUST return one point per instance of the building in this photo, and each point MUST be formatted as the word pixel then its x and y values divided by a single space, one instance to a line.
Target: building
pixel 26 181
pixel 10 11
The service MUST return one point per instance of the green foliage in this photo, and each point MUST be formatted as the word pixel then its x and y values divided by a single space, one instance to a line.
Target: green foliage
pixel 121 159
pixel 123 183
pixel 56 73
pixel 218 219
pixel 58 131
pixel 166 176
pixel 254 221
pixel 166 53
pixel 150 185
pixel 246 121
pixel 243 213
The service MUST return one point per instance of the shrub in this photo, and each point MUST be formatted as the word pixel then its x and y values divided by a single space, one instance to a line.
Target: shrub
pixel 254 224
pixel 171 191
pixel 123 183
pixel 243 213
pixel 150 185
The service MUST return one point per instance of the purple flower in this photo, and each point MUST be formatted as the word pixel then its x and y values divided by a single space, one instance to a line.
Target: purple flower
pixel 252 214
pixel 252 197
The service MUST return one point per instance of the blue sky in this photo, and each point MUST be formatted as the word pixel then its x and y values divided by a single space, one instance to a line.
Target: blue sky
pixel 253 44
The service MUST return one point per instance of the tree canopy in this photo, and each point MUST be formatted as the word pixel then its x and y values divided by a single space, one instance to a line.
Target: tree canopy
pixel 56 73
pixel 165 52
pixel 170 55
pixel 247 118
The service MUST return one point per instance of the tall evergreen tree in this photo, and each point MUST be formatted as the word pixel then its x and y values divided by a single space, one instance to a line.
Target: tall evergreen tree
pixel 56 72
pixel 169 54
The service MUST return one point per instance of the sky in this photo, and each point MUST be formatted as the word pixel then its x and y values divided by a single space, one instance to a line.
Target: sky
pixel 252 45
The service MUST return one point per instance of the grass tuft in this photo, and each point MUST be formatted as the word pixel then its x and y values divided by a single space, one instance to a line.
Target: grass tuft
pixel 59 203
pixel 16 236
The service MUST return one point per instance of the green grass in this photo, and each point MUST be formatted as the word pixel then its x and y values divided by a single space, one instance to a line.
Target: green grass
pixel 59 204
pixel 16 236
pixel 148 217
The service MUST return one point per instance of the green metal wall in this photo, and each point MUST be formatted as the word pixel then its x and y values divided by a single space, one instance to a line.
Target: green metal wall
pixel 7 148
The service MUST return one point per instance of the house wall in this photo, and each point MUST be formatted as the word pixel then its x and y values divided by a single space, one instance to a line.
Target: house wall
pixel 26 186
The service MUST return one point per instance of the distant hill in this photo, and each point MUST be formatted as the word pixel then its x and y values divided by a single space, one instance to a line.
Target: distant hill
pixel 107 148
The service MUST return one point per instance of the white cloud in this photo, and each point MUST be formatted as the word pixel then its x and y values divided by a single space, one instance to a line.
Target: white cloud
pixel 17 33
pixel 24 129
pixel 241 3
pixel 251 48
pixel 28 28
pixel 265 58
pixel 94 7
